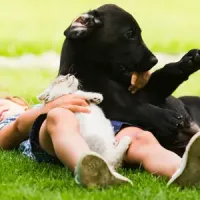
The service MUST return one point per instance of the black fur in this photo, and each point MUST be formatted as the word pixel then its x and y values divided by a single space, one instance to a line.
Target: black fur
pixel 103 58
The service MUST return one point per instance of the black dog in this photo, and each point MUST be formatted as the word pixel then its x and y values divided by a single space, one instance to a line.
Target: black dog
pixel 103 48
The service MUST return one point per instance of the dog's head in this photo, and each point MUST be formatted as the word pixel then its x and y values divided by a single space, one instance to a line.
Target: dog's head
pixel 109 39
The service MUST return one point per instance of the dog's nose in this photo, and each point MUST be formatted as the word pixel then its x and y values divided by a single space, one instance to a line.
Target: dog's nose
pixel 153 60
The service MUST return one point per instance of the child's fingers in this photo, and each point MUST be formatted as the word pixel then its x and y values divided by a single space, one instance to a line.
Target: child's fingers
pixel 75 108
pixel 73 96
pixel 78 102
pixel 68 101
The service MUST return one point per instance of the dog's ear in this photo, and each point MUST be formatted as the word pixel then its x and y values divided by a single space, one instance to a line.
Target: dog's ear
pixel 82 26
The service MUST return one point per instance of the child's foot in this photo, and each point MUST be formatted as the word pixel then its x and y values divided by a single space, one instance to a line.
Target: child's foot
pixel 93 171
pixel 189 172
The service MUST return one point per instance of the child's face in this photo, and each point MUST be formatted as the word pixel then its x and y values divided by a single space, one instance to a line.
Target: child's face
pixel 9 108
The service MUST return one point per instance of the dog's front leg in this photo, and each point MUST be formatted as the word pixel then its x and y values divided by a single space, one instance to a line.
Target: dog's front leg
pixel 161 122
pixel 165 81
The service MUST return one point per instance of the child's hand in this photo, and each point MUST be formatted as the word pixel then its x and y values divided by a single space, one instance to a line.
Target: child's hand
pixel 71 102
pixel 139 80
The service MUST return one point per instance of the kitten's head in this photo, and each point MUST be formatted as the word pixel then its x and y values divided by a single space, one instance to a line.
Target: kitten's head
pixel 68 82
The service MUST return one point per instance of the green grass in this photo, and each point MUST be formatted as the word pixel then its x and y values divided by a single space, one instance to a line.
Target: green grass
pixel 36 26
pixel 21 178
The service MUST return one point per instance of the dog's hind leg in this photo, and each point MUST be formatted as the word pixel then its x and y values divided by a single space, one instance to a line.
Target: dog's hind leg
pixel 192 105
pixel 115 157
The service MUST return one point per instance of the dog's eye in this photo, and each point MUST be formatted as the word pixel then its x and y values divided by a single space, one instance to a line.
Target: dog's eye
pixel 130 35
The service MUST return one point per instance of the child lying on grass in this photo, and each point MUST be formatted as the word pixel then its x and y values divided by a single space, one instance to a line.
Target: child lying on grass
pixel 17 120
pixel 56 138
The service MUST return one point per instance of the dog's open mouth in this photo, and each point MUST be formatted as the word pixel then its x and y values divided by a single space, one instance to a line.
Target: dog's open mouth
pixel 135 80
pixel 129 71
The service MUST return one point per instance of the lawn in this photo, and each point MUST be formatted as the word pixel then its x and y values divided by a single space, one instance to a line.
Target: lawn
pixel 36 26
pixel 21 178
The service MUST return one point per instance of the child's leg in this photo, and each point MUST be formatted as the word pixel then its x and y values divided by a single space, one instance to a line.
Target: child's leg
pixel 146 150
pixel 10 137
pixel 59 136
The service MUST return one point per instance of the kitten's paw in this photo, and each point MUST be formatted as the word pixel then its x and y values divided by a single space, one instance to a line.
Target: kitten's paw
pixel 126 140
pixel 115 142
pixel 49 98
pixel 96 98
pixel 45 97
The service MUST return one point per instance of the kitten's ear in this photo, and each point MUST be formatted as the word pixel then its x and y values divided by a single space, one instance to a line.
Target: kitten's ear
pixel 82 26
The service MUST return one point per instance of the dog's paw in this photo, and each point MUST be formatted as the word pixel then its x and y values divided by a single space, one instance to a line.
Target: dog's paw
pixel 169 123
pixel 190 62
pixel 96 98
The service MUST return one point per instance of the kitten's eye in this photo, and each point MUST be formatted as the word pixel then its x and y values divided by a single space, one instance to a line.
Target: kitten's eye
pixel 130 35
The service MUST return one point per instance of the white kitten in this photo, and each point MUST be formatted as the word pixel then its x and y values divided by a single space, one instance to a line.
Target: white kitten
pixel 94 127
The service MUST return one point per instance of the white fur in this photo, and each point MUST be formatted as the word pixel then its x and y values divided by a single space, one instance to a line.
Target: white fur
pixel 94 127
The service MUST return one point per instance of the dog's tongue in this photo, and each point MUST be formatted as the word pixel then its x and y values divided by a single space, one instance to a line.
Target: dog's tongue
pixel 139 80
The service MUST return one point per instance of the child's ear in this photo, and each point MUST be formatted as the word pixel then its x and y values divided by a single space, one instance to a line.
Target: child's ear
pixel 82 26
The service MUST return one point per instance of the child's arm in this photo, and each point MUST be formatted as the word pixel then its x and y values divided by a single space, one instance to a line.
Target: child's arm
pixel 16 132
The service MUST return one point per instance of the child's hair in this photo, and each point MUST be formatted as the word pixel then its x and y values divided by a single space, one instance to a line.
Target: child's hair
pixel 15 99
